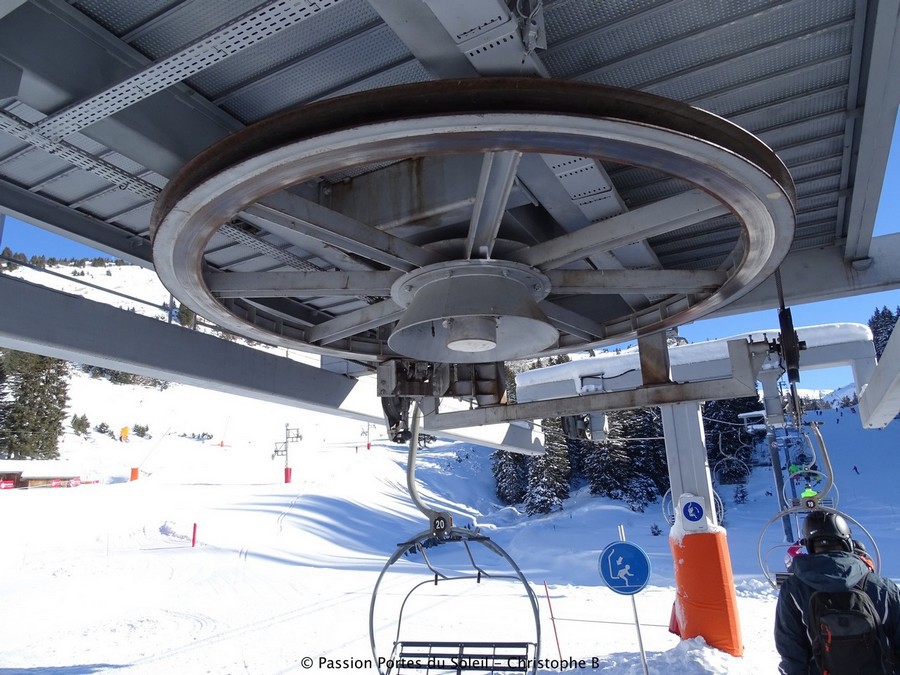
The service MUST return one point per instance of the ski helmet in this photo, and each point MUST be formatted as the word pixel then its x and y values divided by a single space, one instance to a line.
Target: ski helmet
pixel 826 528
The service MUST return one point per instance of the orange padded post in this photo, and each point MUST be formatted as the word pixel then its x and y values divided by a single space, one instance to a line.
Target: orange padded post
pixel 705 601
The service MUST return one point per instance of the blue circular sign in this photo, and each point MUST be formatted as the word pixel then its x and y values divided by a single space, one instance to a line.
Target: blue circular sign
pixel 692 511
pixel 624 567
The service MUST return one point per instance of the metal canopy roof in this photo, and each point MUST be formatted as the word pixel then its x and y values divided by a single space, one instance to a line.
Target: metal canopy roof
pixel 106 102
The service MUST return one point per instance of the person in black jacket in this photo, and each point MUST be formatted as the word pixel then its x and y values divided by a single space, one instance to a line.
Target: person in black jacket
pixel 832 566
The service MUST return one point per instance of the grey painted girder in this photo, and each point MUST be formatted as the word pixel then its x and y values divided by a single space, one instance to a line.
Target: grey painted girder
pixel 647 282
pixel 826 346
pixel 485 35
pixel 421 31
pixel 572 194
pixel 300 284
pixel 150 347
pixel 260 245
pixel 540 180
pixel 587 187
pixel 573 323
pixel 290 214
pixel 802 273
pixel 8 6
pixel 416 197
pixel 882 99
pixel 879 402
pixel 351 323
pixel 671 214
pixel 498 172
pixel 146 346
pixel 577 191
pixel 745 359
pixel 315 247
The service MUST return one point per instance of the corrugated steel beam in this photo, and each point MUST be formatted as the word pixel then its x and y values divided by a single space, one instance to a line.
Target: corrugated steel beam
pixel 814 275
pixel 880 104
pixel 145 346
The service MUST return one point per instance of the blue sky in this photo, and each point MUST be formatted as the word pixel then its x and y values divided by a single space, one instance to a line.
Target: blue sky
pixel 24 238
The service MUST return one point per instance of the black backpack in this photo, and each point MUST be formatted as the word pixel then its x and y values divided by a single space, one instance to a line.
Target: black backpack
pixel 847 637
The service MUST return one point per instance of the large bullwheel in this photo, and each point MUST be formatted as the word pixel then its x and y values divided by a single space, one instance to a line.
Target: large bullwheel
pixel 505 281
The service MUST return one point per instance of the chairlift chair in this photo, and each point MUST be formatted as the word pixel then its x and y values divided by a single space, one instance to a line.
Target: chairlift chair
pixel 807 479
pixel 730 471
pixel 797 506
pixel 446 653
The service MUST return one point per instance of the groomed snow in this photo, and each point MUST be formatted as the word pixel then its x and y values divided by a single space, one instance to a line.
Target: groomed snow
pixel 103 576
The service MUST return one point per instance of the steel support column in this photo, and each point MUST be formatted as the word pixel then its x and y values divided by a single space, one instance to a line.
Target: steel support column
pixel 705 600
pixel 775 418
pixel 686 453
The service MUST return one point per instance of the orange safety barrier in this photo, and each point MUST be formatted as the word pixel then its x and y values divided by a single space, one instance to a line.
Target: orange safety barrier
pixel 705 602
pixel 134 473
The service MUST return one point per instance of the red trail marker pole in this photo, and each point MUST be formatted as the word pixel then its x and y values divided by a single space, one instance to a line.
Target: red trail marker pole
pixel 553 620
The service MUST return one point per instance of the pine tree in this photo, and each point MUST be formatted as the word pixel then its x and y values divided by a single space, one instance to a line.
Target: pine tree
pixel 548 474
pixel 650 475
pixel 186 317
pixel 882 324
pixel 540 482
pixel 578 450
pixel 80 424
pixel 10 257
pixel 510 471
pixel 631 464
pixel 32 411
pixel 606 462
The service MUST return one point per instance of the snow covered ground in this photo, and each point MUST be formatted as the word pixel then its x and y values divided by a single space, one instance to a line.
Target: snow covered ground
pixel 104 577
